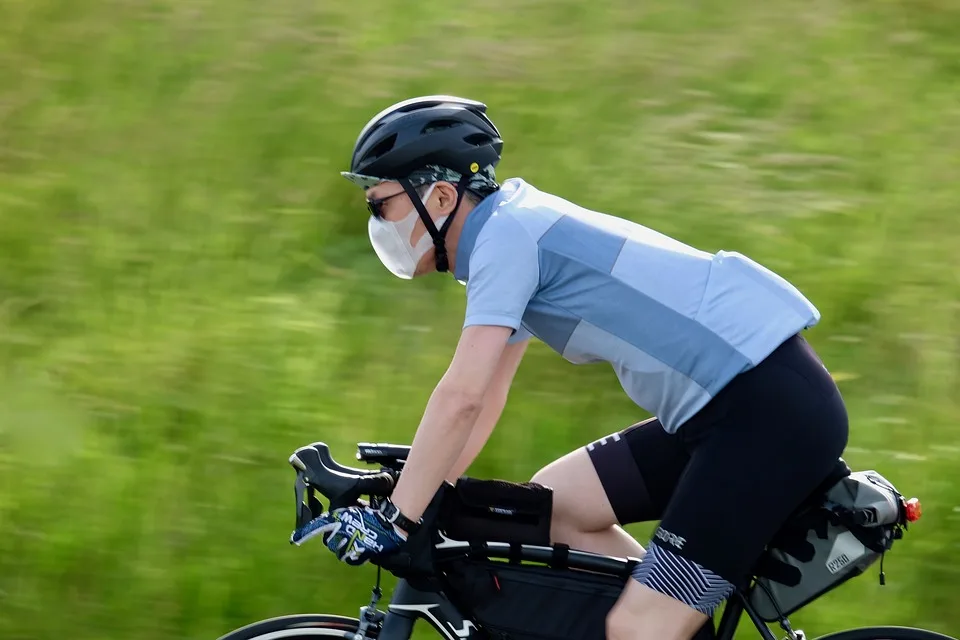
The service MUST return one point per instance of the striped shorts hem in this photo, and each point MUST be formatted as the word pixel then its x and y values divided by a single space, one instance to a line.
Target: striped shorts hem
pixel 685 580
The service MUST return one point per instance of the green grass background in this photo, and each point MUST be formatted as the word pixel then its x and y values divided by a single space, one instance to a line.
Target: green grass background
pixel 187 292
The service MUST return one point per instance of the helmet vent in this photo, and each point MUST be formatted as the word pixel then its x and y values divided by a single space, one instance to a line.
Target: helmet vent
pixel 439 125
pixel 384 146
pixel 477 139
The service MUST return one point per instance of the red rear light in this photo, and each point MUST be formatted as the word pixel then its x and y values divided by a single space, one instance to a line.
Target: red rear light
pixel 914 510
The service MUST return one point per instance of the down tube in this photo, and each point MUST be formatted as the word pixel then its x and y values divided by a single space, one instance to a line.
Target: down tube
pixel 408 604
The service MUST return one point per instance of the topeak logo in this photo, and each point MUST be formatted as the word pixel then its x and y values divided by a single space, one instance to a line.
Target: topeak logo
pixel 838 563
pixel 671 539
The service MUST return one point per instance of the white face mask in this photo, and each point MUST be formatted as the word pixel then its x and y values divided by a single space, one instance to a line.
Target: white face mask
pixel 392 241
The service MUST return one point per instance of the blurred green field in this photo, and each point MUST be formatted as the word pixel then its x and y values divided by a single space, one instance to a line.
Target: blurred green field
pixel 187 292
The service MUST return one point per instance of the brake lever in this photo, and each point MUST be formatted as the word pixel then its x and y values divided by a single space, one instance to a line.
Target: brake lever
pixel 349 498
pixel 317 471
pixel 308 504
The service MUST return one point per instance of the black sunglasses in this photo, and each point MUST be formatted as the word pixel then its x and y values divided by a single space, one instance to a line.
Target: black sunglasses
pixel 375 204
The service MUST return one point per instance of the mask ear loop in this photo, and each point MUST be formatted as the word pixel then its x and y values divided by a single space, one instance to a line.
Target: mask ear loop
pixel 443 263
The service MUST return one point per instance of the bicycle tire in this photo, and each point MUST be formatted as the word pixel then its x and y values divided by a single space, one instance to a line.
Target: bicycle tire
pixel 886 633
pixel 299 627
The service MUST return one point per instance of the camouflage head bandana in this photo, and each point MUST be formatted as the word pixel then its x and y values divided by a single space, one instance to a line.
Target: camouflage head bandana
pixel 482 182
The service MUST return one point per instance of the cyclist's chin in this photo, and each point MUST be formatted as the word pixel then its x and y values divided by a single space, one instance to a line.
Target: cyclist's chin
pixel 427 264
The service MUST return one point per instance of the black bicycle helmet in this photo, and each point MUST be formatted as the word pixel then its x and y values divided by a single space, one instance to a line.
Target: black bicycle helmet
pixel 448 131
pixel 443 131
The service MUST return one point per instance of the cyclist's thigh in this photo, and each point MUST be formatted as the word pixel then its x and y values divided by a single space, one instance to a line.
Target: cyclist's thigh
pixel 639 469
pixel 579 501
pixel 781 430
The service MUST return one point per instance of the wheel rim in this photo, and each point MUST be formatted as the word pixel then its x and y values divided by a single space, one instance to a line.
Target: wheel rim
pixel 300 632
pixel 292 627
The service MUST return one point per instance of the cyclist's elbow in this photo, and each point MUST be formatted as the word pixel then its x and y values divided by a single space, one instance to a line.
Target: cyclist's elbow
pixel 460 402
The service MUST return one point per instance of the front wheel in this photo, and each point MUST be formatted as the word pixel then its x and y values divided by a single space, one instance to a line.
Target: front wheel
pixel 886 633
pixel 299 627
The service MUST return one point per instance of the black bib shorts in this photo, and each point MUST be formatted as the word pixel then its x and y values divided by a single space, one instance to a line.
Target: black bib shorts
pixel 724 484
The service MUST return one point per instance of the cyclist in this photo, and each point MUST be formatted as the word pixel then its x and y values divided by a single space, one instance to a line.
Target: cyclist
pixel 748 421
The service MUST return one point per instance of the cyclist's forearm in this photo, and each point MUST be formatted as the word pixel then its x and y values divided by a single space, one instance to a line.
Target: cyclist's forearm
pixel 441 437
pixel 450 416
pixel 493 402
pixel 493 405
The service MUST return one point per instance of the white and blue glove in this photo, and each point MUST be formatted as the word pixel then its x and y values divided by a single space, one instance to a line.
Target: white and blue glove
pixel 353 534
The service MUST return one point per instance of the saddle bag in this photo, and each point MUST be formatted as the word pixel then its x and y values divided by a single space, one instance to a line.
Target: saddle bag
pixel 834 538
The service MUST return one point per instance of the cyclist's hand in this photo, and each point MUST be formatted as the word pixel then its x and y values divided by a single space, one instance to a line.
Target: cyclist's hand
pixel 353 534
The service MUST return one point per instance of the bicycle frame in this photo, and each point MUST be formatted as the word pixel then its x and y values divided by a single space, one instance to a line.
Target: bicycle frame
pixel 420 595
pixel 319 471
pixel 409 604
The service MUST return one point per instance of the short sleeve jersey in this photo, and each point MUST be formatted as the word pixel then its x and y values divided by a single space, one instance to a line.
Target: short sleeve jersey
pixel 675 323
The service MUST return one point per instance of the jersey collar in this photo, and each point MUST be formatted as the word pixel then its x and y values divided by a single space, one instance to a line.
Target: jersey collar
pixel 468 234
pixel 509 190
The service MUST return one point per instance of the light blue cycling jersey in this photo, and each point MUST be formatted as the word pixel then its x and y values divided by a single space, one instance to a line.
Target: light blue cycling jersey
pixel 676 323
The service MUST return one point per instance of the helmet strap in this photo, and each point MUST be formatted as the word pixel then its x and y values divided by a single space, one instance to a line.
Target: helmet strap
pixel 438 235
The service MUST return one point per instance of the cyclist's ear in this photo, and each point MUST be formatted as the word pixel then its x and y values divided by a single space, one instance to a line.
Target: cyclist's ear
pixel 443 200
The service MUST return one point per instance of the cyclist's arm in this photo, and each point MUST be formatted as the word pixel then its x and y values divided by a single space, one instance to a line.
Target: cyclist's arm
pixel 504 274
pixel 493 403
pixel 451 413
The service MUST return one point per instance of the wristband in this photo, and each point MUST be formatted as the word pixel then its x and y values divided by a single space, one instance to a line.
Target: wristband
pixel 392 515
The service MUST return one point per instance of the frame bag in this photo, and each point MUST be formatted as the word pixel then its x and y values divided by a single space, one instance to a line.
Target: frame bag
pixel 512 601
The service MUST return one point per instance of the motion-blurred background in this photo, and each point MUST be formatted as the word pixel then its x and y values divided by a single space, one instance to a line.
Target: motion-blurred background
pixel 187 291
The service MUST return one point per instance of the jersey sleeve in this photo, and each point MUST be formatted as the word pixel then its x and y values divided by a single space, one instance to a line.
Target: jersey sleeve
pixel 504 276
pixel 519 335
